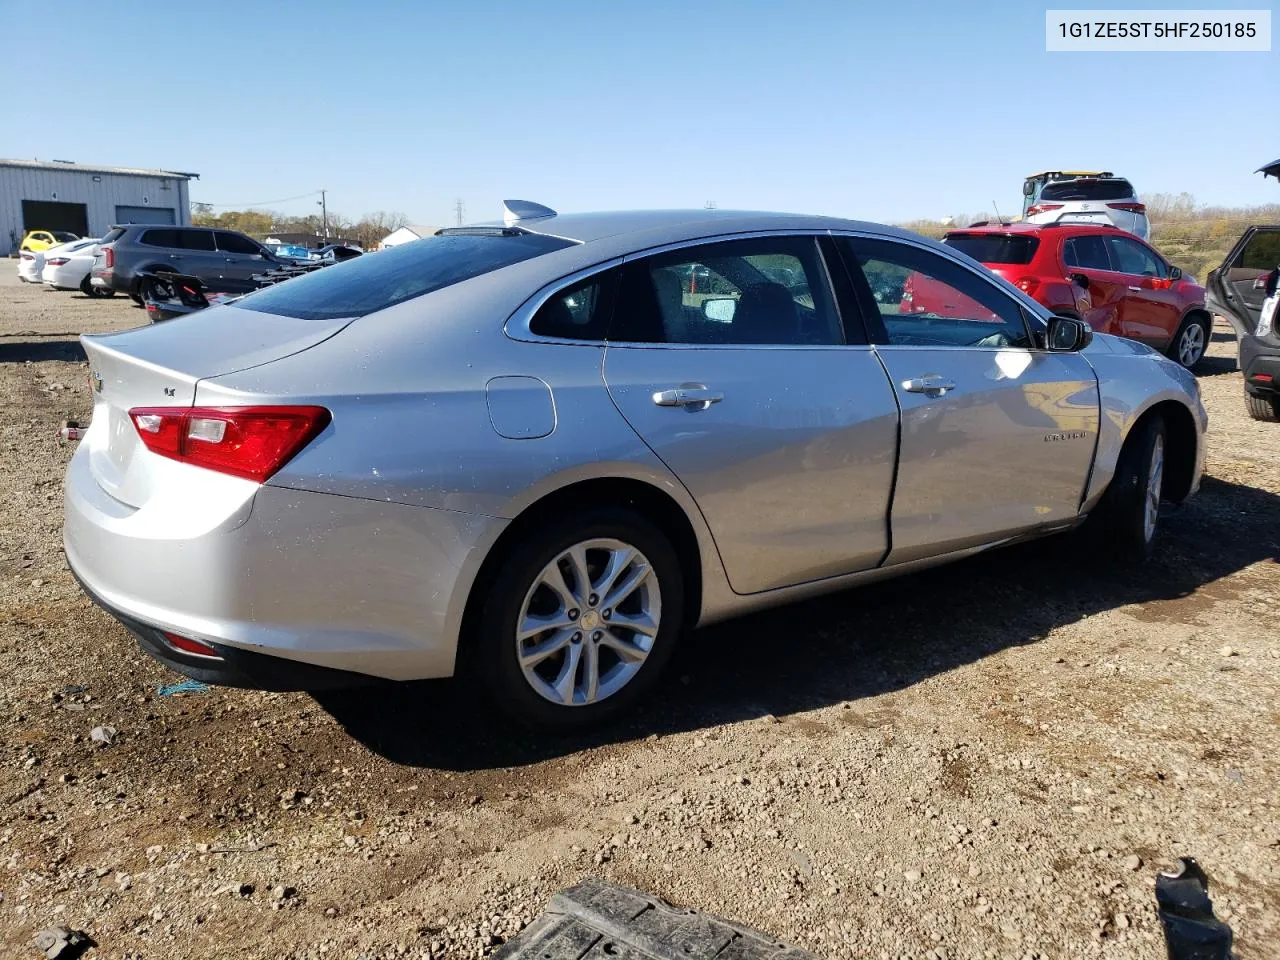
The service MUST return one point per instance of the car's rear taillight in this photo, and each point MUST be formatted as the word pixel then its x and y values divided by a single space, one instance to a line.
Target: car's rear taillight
pixel 1129 207
pixel 57 261
pixel 1027 284
pixel 110 256
pixel 248 442
pixel 26 256
pixel 1037 208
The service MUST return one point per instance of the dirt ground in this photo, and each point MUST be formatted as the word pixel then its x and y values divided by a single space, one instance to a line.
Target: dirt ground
pixel 988 760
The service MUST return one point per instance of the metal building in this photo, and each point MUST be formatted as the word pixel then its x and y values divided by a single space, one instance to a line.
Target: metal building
pixel 85 199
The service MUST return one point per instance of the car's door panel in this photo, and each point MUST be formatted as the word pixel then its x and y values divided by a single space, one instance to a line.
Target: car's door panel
pixel 1088 256
pixel 789 450
pixel 997 435
pixel 1006 450
pixel 1150 310
pixel 1237 284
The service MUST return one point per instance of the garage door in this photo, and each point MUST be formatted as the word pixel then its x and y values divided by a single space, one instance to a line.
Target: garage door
pixel 49 215
pixel 145 215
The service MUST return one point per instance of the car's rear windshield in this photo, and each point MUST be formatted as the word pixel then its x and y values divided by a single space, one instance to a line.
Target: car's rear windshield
pixel 64 236
pixel 993 247
pixel 370 283
pixel 1088 190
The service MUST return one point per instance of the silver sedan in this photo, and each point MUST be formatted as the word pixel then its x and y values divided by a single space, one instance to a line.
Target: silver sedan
pixel 538 451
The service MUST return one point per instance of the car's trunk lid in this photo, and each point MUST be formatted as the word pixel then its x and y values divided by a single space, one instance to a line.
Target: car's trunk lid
pixel 159 366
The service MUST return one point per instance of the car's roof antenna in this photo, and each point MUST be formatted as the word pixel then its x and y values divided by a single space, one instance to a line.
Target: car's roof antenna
pixel 999 219
pixel 515 210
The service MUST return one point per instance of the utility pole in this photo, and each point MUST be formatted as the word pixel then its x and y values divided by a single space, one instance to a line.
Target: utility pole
pixel 324 212
pixel 457 209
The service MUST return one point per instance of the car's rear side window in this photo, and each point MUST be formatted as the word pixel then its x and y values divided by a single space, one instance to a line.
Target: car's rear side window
pixel 367 284
pixel 1068 190
pixel 994 247
pixel 159 238
pixel 1089 253
pixel 195 240
pixel 113 235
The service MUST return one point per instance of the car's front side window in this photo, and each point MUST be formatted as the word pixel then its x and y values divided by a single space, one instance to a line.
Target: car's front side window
pixel 925 300
pixel 765 290
pixel 1261 251
pixel 1133 258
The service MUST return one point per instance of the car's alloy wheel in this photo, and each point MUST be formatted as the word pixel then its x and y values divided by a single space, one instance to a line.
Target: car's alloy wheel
pixel 588 623
pixel 1155 484
pixel 578 619
pixel 1190 344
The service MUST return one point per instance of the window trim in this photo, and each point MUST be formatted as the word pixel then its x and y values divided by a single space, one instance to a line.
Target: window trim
pixel 1160 261
pixel 1030 310
pixel 517 325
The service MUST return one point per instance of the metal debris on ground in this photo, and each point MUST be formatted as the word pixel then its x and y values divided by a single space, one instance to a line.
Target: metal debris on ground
pixel 62 943
pixel 1191 931
pixel 185 686
pixel 603 919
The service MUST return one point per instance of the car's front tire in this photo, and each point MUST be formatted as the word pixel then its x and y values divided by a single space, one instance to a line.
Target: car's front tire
pixel 1129 514
pixel 579 619
pixel 1190 342
pixel 1266 409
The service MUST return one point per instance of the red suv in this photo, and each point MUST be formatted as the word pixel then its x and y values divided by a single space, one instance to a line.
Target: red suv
pixel 1103 275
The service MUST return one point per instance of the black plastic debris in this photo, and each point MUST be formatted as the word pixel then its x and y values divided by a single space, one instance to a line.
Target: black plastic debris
pixel 62 943
pixel 1191 931
pixel 595 920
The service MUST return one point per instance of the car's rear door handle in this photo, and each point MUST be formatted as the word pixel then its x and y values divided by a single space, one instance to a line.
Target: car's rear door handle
pixel 933 385
pixel 699 397
pixel 175 256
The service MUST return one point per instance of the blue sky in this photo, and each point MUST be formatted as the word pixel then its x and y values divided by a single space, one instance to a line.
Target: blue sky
pixel 882 111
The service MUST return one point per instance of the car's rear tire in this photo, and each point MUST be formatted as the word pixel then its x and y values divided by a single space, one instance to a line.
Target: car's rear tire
pixel 1266 409
pixel 607 585
pixel 1127 519
pixel 1190 342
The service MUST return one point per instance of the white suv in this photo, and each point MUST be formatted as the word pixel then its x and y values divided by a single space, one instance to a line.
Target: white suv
pixel 1084 198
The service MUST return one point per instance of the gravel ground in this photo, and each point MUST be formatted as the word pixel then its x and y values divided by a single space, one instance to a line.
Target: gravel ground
pixel 988 760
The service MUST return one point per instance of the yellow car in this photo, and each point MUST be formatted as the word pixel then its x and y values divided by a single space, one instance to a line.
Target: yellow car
pixel 36 240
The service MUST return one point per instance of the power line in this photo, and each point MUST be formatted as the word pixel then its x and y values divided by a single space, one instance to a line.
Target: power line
pixel 261 203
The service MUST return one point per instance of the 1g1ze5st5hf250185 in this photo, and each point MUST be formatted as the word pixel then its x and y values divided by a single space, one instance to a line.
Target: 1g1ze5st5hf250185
pixel 538 451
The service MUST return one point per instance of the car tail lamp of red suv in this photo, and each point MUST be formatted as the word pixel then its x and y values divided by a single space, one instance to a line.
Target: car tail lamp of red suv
pixel 248 442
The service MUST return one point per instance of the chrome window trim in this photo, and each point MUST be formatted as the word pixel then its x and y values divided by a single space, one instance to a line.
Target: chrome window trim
pixel 517 325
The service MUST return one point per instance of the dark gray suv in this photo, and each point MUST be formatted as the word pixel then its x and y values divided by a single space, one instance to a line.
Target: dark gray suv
pixel 224 259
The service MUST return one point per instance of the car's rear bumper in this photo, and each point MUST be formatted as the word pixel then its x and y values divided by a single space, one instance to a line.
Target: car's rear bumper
pixel 317 580
pixel 1260 363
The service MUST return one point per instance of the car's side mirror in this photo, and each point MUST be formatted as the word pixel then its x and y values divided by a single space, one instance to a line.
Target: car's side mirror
pixel 720 309
pixel 1175 273
pixel 1080 280
pixel 1067 334
pixel 1028 188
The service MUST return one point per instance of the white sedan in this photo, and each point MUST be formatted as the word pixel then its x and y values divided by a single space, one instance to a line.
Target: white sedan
pixel 67 268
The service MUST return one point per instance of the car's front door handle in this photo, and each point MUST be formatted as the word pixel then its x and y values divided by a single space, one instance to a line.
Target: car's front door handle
pixel 699 397
pixel 932 386
pixel 1139 289
pixel 175 256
